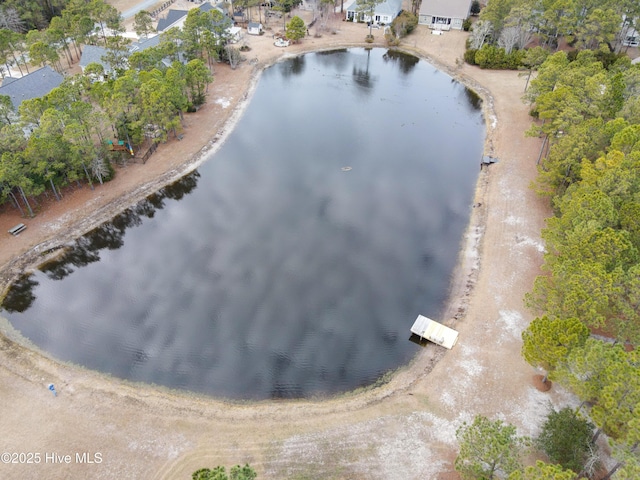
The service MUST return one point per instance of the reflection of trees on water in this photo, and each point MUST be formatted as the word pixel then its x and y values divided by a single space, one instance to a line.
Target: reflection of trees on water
pixel 474 99
pixel 292 67
pixel 86 250
pixel 404 61
pixel 336 59
pixel 362 77
pixel 20 296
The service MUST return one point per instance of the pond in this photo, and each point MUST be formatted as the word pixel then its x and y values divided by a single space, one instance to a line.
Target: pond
pixel 294 261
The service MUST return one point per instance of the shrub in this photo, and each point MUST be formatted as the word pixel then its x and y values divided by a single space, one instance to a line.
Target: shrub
pixel 566 439
pixel 392 40
pixel 470 56
pixel 490 56
pixel 475 7
pixel 404 24
pixel 220 473
pixel 466 25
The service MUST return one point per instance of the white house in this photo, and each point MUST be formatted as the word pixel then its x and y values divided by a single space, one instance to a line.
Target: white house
pixel 383 14
pixel 444 14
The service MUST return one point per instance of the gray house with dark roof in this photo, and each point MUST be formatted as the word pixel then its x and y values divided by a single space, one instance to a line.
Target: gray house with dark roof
pixel 94 54
pixel 173 16
pixel 34 85
pixel 144 44
pixel 176 18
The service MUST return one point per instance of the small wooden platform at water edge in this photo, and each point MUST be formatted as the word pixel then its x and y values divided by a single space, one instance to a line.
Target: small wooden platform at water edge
pixel 434 332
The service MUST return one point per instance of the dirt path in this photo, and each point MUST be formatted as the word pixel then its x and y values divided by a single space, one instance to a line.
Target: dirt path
pixel 402 430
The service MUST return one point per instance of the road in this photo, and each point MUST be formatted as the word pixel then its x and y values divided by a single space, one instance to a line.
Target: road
pixel 144 5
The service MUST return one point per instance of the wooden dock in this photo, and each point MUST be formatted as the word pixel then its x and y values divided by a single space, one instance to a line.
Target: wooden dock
pixel 434 332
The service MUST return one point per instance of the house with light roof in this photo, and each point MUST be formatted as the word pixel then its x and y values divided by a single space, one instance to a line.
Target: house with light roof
pixel 444 14
pixel 383 14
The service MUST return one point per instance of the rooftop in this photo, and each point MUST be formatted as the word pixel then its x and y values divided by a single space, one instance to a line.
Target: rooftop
pixel 34 85
pixel 446 8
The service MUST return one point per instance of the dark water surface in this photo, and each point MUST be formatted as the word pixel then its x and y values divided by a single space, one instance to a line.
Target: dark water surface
pixel 274 271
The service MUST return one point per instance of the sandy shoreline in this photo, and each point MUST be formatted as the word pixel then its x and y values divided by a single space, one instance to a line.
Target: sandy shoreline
pixel 404 429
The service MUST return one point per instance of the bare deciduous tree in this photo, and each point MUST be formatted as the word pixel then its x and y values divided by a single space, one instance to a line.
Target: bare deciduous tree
pixel 234 56
pixel 523 17
pixel 481 30
pixel 509 38
pixel 99 168
pixel 526 35
pixel 10 19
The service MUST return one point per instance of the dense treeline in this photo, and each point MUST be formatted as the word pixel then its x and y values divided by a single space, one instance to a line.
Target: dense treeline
pixel 506 27
pixel 589 116
pixel 24 15
pixel 138 99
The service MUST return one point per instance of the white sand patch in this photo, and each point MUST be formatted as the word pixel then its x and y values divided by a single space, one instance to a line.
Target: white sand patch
pixel 535 406
pixel 163 447
pixel 468 349
pixel 512 323
pixel 530 417
pixel 511 220
pixel 440 429
pixel 515 197
pixel 409 455
pixel 223 102
pixel 471 248
pixel 447 398
pixel 466 373
pixel 394 447
pixel 472 367
pixel 414 450
pixel 529 242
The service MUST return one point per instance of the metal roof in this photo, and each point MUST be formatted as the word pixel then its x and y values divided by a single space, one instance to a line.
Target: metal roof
pixel 435 332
